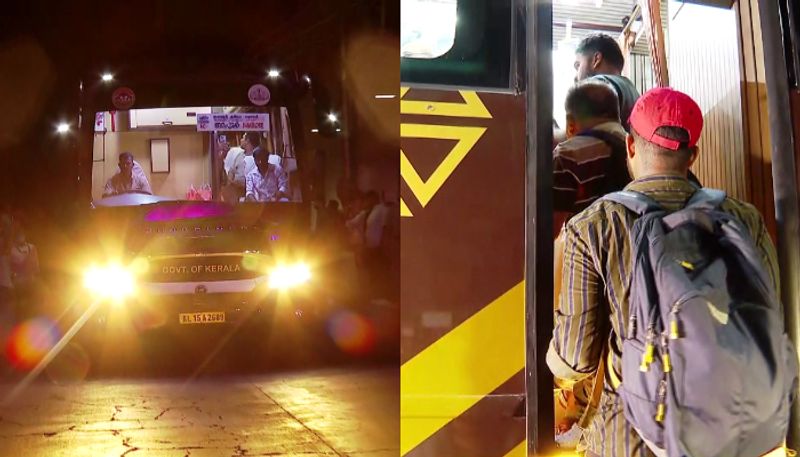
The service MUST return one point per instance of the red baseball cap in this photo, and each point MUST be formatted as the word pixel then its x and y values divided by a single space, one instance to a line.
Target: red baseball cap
pixel 665 107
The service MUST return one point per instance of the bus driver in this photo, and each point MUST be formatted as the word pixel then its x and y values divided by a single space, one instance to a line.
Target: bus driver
pixel 126 180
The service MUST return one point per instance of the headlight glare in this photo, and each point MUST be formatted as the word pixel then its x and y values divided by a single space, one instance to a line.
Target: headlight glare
pixel 288 276
pixel 112 281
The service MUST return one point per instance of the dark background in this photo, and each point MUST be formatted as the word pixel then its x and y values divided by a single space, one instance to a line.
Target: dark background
pixel 47 47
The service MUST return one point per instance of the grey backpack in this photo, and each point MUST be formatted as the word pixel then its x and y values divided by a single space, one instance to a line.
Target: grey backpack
pixel 707 368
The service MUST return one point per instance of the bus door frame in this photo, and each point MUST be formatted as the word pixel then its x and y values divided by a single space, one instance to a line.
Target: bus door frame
pixel 784 174
pixel 538 68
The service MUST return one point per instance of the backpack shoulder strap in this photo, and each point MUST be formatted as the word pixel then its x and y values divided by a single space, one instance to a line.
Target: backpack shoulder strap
pixel 703 200
pixel 637 202
pixel 708 199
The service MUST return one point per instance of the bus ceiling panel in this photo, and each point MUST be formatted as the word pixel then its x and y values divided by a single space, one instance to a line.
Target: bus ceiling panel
pixel 602 12
pixel 715 3
pixel 575 19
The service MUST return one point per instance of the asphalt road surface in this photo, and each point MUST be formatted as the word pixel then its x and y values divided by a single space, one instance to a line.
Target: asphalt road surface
pixel 344 411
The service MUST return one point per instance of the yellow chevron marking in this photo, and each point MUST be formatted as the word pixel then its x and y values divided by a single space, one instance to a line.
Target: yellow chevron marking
pixel 404 211
pixel 521 450
pixel 472 106
pixel 452 374
pixel 466 136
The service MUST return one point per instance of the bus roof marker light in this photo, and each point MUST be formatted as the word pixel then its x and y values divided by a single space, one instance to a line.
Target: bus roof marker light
pixel 385 96
pixel 314 130
pixel 62 128
pixel 273 73
pixel 107 77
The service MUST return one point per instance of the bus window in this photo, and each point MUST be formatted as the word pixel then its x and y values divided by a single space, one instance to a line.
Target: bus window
pixel 464 43
pixel 428 28
pixel 196 153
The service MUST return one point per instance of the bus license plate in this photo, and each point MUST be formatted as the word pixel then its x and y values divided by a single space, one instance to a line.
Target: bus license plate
pixel 202 318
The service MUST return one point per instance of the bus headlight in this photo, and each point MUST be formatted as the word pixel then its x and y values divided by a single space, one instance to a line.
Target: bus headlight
pixel 111 281
pixel 289 276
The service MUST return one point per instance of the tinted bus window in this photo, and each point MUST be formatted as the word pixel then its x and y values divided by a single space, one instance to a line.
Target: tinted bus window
pixel 456 43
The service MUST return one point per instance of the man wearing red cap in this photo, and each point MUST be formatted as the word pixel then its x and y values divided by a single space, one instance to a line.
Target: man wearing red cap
pixel 665 127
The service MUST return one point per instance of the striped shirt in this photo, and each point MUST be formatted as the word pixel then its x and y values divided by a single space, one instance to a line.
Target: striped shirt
pixel 594 299
pixel 582 168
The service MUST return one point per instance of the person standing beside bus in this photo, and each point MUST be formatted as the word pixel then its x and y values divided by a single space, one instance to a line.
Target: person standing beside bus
pixel 6 283
pixel 24 260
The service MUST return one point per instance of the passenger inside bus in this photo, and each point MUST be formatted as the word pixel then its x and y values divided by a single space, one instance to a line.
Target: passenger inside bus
pixel 242 164
pixel 268 182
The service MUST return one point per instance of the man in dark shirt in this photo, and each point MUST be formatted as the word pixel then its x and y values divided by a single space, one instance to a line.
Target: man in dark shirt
pixel 598 57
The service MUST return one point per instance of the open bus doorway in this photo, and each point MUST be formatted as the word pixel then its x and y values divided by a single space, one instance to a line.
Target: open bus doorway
pixel 712 52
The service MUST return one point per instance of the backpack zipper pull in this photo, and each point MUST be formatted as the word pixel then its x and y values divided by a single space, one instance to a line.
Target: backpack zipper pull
pixel 674 327
pixel 647 357
pixel 661 409
pixel 674 323
pixel 665 360
pixel 660 412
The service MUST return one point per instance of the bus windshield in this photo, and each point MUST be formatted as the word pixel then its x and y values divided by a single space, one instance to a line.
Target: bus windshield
pixel 229 154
